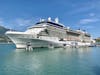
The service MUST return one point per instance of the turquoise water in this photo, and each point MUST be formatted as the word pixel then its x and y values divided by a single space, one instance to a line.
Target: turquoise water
pixel 59 61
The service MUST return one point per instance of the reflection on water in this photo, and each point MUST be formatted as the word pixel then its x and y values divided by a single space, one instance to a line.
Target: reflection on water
pixel 58 61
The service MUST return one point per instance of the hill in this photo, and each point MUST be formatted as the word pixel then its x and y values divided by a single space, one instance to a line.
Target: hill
pixel 3 37
pixel 3 30
pixel 97 39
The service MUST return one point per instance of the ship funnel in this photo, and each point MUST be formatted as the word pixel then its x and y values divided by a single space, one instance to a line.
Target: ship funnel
pixel 56 20
pixel 49 19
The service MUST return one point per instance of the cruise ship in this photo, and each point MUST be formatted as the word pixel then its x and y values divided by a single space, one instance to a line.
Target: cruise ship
pixel 48 33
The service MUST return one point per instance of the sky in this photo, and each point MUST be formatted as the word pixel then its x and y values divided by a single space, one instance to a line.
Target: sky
pixel 76 14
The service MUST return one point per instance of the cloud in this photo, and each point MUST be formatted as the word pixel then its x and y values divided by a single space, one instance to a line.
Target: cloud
pixel 84 7
pixel 79 10
pixel 20 24
pixel 87 21
pixel 23 22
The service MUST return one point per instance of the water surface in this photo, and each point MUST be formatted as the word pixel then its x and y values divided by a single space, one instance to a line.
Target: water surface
pixel 44 61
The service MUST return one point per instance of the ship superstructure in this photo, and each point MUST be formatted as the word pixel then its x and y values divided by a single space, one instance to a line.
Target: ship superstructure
pixel 48 33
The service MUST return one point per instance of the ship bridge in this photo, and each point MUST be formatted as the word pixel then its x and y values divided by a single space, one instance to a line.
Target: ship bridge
pixel 49 22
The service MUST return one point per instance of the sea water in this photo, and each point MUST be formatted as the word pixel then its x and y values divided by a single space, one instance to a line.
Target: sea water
pixel 44 61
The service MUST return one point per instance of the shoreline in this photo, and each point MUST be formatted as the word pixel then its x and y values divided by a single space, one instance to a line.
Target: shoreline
pixel 5 43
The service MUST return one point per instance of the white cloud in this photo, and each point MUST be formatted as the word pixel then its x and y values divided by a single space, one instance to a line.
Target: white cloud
pixel 86 21
pixel 23 22
pixel 19 23
pixel 84 7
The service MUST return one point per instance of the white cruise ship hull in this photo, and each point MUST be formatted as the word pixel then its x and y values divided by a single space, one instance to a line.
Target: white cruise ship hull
pixel 21 40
